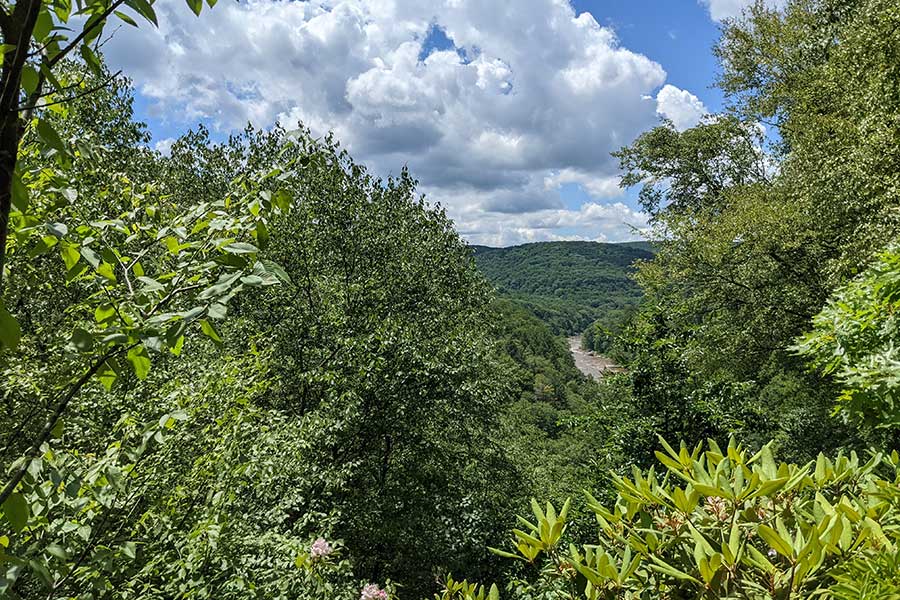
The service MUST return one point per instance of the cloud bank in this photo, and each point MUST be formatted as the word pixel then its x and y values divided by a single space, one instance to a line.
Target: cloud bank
pixel 494 106
pixel 719 10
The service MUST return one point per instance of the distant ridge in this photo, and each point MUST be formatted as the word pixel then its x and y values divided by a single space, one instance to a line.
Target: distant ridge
pixel 569 285
pixel 641 244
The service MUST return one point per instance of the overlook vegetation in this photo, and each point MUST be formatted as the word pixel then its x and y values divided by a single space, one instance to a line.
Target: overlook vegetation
pixel 568 285
pixel 252 369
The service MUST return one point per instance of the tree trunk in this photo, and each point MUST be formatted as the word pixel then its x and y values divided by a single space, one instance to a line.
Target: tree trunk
pixel 17 31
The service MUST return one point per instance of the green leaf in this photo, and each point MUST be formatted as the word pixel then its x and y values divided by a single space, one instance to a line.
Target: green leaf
pixel 143 8
pixel 82 340
pixel 775 541
pixel 196 6
pixel 150 284
pixel 91 257
pixel 282 200
pixel 20 195
pixel 48 134
pixel 129 549
pixel 140 360
pixel 62 9
pixel 217 311
pixel 42 27
pixel 90 58
pixel 70 255
pixel 57 551
pixel 252 280
pixel 59 230
pixel 125 18
pixel 106 270
pixel 15 508
pixel 276 270
pixel 241 248
pixel 104 313
pixel 261 234
pixel 107 376
pixel 10 332
pixel 504 553
pixel 29 79
pixel 210 331
pixel 664 567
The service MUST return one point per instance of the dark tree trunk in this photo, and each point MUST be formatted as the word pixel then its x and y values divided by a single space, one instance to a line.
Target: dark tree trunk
pixel 17 29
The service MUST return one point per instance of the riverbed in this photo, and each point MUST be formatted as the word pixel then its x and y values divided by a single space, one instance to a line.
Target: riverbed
pixel 592 365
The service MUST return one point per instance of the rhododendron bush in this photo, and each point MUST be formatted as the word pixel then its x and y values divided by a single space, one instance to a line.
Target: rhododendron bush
pixel 720 523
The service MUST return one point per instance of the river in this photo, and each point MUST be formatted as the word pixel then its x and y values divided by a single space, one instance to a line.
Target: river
pixel 592 365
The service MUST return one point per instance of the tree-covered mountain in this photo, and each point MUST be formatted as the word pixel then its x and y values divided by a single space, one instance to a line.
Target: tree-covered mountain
pixel 569 285
pixel 251 369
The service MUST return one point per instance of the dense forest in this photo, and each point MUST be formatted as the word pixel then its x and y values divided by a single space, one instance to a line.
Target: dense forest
pixel 568 285
pixel 250 368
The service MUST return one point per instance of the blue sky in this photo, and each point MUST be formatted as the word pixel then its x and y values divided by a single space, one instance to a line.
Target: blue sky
pixel 505 111
pixel 678 34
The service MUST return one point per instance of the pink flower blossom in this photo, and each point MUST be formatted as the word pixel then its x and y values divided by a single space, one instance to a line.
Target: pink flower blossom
pixel 373 592
pixel 319 549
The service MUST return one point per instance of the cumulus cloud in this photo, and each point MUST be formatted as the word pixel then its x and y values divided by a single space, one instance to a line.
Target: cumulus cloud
pixel 679 106
pixel 529 97
pixel 720 10
pixel 594 221
pixel 164 146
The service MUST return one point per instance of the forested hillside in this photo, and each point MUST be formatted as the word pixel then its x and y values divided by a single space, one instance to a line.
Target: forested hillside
pixel 249 367
pixel 568 285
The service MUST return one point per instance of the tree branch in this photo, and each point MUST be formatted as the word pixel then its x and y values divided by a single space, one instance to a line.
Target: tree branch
pixel 58 411
pixel 84 33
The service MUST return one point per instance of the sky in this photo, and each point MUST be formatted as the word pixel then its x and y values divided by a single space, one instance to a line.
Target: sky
pixel 505 111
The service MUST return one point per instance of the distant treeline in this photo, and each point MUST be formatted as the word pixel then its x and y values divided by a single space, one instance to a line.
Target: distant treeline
pixel 568 285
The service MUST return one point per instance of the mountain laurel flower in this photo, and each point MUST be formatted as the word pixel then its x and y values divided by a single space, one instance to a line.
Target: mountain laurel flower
pixel 373 592
pixel 319 549
pixel 718 507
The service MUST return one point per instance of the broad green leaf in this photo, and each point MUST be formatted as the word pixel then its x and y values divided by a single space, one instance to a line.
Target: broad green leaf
pixel 241 248
pixel 210 331
pixel 106 270
pixel 70 255
pixel 217 311
pixel 125 18
pixel 104 313
pixel 48 134
pixel 42 27
pixel 143 8
pixel 107 377
pixel 57 551
pixel 90 256
pixel 62 9
pixel 10 332
pixel 196 6
pixel 775 541
pixel 16 511
pixel 59 230
pixel 140 360
pixel 82 340
pixel 20 194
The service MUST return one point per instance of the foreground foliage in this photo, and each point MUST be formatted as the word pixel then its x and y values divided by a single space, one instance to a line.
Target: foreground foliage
pixel 856 338
pixel 723 524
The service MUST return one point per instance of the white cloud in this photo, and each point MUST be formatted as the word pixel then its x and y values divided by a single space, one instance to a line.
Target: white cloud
pixel 531 97
pixel 598 187
pixel 720 10
pixel 164 146
pixel 608 222
pixel 679 106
